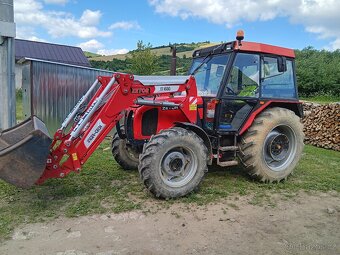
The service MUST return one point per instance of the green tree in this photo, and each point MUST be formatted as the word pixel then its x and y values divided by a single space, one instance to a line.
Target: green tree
pixel 318 71
pixel 143 61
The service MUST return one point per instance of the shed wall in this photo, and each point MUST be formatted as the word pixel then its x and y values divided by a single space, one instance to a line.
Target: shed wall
pixel 52 89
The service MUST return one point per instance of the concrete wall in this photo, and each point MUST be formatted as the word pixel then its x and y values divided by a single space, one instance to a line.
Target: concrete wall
pixel 7 87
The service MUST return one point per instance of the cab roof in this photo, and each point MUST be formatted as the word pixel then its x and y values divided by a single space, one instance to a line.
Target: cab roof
pixel 245 47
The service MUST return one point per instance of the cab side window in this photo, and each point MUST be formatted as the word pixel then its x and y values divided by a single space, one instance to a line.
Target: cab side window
pixel 277 84
pixel 244 78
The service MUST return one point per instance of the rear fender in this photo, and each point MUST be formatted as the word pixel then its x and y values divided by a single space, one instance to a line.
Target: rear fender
pixel 294 106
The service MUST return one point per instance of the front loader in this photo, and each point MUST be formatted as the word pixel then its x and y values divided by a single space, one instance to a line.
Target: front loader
pixel 238 105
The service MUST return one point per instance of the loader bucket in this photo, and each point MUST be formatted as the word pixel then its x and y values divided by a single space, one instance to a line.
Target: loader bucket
pixel 23 152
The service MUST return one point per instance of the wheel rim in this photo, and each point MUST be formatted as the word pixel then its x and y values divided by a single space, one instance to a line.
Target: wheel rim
pixel 178 166
pixel 280 148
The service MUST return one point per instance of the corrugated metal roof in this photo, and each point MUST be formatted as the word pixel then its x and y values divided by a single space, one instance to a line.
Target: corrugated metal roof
pixel 50 52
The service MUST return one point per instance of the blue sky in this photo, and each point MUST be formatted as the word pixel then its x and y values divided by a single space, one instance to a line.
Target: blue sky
pixel 115 26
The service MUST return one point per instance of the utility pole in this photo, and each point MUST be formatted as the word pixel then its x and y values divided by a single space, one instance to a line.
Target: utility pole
pixel 7 65
pixel 173 59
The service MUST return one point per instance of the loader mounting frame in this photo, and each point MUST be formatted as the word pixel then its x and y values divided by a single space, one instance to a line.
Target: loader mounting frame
pixel 70 150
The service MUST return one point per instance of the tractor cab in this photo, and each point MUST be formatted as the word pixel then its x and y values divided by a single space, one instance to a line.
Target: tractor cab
pixel 236 78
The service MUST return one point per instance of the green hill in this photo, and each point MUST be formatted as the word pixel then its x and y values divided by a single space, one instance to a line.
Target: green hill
pixel 182 49
pixel 91 54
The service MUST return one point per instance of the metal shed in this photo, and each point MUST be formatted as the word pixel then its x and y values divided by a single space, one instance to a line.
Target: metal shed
pixel 50 52
pixel 50 89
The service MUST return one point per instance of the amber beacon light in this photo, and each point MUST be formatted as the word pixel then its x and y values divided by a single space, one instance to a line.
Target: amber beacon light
pixel 240 37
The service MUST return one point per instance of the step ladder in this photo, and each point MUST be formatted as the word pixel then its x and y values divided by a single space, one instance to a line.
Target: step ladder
pixel 232 149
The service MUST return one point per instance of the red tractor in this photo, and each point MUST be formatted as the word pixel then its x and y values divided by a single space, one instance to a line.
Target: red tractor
pixel 239 104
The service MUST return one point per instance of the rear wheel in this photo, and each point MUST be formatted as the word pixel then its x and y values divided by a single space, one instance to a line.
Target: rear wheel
pixel 125 155
pixel 273 145
pixel 173 163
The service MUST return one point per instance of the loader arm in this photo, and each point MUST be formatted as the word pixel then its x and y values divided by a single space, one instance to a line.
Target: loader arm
pixel 70 150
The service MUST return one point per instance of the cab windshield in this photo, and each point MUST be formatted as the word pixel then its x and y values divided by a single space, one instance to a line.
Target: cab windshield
pixel 208 72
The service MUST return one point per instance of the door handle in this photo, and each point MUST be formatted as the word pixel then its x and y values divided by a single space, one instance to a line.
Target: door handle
pixel 251 101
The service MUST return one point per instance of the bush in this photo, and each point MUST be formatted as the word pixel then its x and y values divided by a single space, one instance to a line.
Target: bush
pixel 318 72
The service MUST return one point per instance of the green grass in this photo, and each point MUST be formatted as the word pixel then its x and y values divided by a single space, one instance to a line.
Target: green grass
pixel 322 99
pixel 19 106
pixel 103 187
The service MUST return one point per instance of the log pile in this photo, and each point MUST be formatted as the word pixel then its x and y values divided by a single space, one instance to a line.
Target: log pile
pixel 322 125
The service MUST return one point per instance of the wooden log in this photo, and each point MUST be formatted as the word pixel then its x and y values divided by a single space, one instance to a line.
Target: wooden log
pixel 322 125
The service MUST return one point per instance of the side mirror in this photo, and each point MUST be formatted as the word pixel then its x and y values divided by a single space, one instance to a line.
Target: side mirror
pixel 281 64
pixel 219 71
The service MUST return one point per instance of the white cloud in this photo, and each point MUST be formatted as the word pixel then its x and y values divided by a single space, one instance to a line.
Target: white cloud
pixel 22 6
pixel 25 32
pixel 91 45
pixel 95 46
pixel 126 25
pixel 320 17
pixel 60 2
pixel 108 52
pixel 218 11
pixel 58 24
pixel 90 18
pixel 28 33
pixel 35 38
pixel 335 44
pixel 30 15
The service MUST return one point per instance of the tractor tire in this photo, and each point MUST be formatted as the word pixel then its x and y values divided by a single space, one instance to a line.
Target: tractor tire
pixel 272 146
pixel 124 154
pixel 173 163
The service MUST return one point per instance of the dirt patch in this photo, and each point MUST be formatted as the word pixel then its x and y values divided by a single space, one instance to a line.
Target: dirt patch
pixel 307 224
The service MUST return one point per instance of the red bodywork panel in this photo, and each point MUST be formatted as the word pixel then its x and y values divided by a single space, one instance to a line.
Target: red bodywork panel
pixel 166 116
pixel 69 155
pixel 264 48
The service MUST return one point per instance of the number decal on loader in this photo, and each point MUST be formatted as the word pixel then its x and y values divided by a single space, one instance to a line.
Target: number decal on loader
pixel 166 89
pixel 95 131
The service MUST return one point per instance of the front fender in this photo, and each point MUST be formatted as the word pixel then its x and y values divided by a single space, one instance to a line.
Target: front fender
pixel 201 133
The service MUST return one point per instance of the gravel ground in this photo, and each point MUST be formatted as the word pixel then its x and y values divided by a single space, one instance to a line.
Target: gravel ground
pixel 306 224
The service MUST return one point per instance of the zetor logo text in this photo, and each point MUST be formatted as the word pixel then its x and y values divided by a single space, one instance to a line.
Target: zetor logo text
pixel 140 91
pixel 95 131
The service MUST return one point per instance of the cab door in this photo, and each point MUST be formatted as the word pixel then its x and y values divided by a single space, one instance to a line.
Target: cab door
pixel 208 77
pixel 240 93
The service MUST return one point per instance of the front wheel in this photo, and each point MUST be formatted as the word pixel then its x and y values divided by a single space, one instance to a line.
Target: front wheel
pixel 124 154
pixel 173 163
pixel 273 145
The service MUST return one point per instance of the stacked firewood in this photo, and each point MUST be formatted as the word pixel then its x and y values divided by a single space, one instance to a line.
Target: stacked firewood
pixel 322 125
